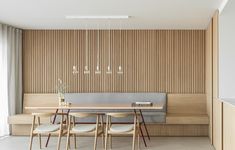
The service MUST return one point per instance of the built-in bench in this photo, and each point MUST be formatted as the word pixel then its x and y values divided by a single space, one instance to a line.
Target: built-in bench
pixel 186 115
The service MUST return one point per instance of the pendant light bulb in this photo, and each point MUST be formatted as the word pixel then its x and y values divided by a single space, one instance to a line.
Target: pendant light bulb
pixel 97 70
pixel 86 70
pixel 120 70
pixel 109 70
pixel 75 71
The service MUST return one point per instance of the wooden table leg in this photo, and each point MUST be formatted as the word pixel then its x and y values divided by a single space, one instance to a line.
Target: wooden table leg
pixel 141 131
pixel 142 117
pixel 54 119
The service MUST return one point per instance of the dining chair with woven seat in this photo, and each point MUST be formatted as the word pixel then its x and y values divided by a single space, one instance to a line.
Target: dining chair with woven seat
pixel 39 128
pixel 122 129
pixel 83 129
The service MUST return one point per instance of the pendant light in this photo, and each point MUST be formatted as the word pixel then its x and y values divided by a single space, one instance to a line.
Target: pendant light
pixel 109 71
pixel 120 71
pixel 86 71
pixel 97 71
pixel 75 68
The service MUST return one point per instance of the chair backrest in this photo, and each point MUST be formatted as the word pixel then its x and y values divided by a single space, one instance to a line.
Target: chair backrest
pixel 120 115
pixel 83 115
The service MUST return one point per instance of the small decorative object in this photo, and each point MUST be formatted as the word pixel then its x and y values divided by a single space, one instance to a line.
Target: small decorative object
pixel 142 104
pixel 61 91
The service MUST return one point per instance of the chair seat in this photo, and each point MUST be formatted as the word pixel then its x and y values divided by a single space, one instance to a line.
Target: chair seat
pixel 121 128
pixel 81 128
pixel 47 128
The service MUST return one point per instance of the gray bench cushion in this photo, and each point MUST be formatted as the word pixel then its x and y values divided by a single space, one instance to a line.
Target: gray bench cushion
pixel 151 116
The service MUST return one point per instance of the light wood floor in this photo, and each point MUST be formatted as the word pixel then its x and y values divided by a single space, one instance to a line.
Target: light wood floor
pixel 119 143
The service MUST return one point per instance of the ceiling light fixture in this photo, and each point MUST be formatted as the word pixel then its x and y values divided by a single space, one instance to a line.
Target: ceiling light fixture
pixel 97 17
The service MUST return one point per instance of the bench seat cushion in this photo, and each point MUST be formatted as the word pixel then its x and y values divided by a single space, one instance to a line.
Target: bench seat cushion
pixel 25 119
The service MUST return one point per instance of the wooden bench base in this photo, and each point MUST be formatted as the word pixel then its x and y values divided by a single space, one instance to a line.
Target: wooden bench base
pixel 154 130
pixel 176 125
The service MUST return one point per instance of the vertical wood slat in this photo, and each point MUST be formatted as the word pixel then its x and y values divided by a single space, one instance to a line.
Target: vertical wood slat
pixel 170 61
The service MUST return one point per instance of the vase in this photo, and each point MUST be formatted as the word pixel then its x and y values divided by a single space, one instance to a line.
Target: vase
pixel 61 99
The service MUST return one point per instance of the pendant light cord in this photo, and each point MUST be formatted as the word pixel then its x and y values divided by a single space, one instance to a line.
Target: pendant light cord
pixel 98 49
pixel 120 45
pixel 109 47
pixel 86 48
pixel 74 47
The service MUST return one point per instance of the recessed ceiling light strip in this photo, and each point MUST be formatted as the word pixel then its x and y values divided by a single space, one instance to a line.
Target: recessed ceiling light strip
pixel 97 17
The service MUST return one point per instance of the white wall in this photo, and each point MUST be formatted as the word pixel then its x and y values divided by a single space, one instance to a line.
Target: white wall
pixel 227 51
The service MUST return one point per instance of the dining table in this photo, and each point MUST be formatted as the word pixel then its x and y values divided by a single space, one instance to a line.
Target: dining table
pixel 101 107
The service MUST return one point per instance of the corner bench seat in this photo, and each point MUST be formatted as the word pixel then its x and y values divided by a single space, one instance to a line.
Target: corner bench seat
pixel 170 119
pixel 186 115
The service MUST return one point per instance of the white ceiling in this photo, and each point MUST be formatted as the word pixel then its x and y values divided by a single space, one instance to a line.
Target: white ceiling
pixel 145 14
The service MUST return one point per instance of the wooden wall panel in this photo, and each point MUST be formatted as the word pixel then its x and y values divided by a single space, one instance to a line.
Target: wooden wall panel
pixel 217 104
pixel 228 126
pixel 170 61
pixel 209 77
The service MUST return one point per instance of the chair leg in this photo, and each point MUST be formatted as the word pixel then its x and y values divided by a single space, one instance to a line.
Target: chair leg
pixel 103 140
pixel 59 141
pixel 110 141
pixel 67 142
pixel 133 143
pixel 95 141
pixel 106 141
pixel 75 142
pixel 31 142
pixel 138 140
pixel 40 141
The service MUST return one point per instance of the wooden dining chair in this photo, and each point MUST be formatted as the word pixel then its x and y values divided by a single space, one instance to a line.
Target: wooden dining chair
pixel 122 129
pixel 45 129
pixel 94 129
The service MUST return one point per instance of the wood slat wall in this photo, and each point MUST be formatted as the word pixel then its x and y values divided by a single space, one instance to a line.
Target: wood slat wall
pixel 170 61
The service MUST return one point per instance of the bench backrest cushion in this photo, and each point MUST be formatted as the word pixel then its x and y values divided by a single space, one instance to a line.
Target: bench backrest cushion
pixel 151 116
